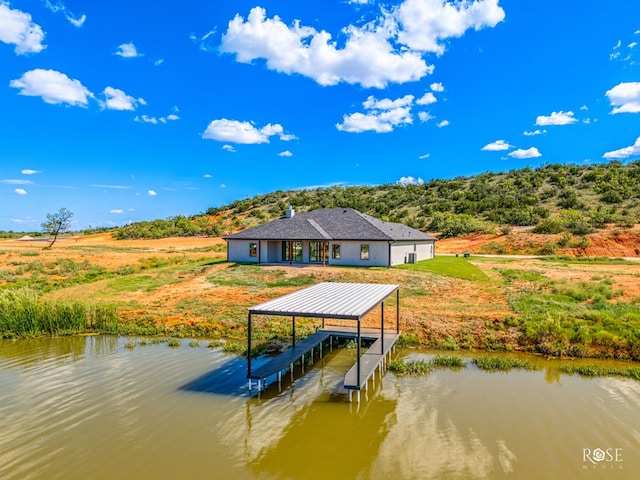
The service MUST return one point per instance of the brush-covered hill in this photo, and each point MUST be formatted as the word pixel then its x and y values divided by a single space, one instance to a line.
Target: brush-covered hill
pixel 552 199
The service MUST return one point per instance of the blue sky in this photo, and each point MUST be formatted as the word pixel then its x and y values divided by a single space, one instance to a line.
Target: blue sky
pixel 123 111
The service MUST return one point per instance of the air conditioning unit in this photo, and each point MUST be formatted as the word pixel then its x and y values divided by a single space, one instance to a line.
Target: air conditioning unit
pixel 411 258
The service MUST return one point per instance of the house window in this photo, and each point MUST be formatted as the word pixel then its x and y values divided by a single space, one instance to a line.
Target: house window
pixel 335 251
pixel 364 251
pixel 253 249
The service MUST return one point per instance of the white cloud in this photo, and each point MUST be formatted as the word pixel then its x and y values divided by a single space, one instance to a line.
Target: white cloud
pixel 222 185
pixel 116 99
pixel 424 24
pixel 426 155
pixel 146 119
pixel 497 146
pixel 29 171
pixel 287 137
pixel 632 45
pixel 20 191
pixel 127 50
pixel 207 175
pixel 234 131
pixel 16 28
pixel 625 97
pixel 151 193
pixel 410 181
pixel 381 116
pixel 427 99
pixel 228 148
pixel 54 87
pixel 534 132
pixel 556 118
pixel 60 7
pixel 117 211
pixel 115 187
pixel 584 107
pixel 389 49
pixel 158 62
pixel 368 57
pixel 437 87
pixel 425 116
pixel 443 123
pixel 76 22
pixel 286 153
pixel 524 154
pixel 371 103
pixel 155 120
pixel 626 152
pixel 13 181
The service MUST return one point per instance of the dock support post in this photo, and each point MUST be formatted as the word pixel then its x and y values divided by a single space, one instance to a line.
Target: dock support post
pixel 358 354
pixel 382 329
pixel 398 311
pixel 293 331
pixel 249 349
pixel 302 363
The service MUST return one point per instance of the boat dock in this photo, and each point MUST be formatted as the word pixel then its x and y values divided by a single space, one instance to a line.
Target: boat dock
pixel 356 379
pixel 329 300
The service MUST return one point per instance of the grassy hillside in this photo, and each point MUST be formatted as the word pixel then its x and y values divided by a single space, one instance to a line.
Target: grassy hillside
pixel 552 198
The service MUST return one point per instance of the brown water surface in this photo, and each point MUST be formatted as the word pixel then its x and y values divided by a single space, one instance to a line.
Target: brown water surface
pixel 89 408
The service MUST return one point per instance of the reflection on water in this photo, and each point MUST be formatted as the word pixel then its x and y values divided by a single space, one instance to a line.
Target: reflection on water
pixel 88 408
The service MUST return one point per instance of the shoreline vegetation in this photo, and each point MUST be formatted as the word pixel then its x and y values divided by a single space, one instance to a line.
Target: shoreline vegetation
pixel 552 306
pixel 169 277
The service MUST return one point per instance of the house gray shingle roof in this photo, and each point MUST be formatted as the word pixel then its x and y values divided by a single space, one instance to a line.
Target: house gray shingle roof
pixel 331 224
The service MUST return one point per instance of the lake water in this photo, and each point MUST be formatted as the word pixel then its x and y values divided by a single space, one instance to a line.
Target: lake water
pixel 89 408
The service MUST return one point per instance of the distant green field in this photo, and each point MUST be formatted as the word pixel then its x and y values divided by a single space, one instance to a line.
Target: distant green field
pixel 456 267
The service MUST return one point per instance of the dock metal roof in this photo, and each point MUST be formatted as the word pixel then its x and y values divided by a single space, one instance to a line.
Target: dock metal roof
pixel 348 301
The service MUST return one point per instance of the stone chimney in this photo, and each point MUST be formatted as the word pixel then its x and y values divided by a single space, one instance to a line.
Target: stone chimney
pixel 290 212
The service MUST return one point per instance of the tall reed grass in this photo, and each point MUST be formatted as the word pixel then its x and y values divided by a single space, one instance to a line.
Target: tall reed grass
pixel 24 314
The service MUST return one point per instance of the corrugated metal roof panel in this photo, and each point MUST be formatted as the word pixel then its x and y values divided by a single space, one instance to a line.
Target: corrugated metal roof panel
pixel 329 299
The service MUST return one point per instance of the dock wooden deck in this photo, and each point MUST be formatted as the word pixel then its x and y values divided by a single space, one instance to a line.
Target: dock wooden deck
pixel 285 360
pixel 374 358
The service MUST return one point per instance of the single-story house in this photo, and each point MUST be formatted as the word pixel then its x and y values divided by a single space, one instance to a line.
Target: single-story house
pixel 335 236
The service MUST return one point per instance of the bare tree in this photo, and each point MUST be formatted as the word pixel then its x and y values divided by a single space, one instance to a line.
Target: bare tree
pixel 57 223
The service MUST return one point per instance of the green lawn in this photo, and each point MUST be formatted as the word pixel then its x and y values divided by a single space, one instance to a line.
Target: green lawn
pixel 456 267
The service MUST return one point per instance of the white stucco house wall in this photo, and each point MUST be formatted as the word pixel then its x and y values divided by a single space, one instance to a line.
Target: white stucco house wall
pixel 330 236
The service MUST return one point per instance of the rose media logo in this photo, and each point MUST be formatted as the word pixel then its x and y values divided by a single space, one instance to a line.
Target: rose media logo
pixel 602 459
